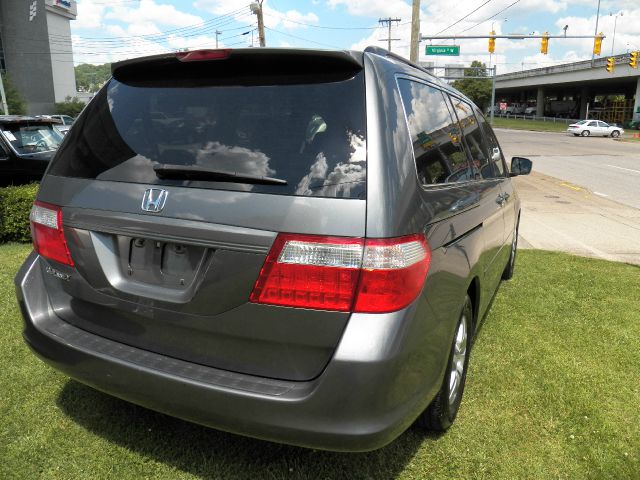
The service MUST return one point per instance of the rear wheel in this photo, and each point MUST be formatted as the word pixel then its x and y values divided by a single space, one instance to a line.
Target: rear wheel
pixel 586 133
pixel 615 134
pixel 442 411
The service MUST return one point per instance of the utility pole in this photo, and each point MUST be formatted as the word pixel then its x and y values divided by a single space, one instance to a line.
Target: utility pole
pixel 256 7
pixel 388 22
pixel 415 31
pixel 217 33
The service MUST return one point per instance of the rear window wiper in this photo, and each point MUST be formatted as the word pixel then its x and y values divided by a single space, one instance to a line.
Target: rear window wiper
pixel 191 172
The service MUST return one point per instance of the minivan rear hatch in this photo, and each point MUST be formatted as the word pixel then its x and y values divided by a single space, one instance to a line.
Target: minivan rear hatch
pixel 174 183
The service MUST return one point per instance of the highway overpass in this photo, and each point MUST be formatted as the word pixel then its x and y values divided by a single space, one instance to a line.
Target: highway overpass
pixel 579 81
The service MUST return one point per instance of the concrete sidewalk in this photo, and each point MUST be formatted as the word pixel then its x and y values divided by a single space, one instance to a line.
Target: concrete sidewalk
pixel 557 215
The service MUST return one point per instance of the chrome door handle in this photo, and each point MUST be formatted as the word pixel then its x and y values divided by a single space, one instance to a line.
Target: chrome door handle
pixel 505 196
pixel 500 200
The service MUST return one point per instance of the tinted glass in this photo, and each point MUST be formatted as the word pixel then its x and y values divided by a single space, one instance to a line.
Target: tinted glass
pixel 473 134
pixel 435 136
pixel 495 152
pixel 28 138
pixel 311 135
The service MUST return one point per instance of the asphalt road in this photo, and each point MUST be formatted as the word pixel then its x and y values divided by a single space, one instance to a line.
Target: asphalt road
pixel 607 167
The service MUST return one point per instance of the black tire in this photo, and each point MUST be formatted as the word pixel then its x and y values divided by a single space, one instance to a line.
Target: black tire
pixel 615 133
pixel 585 133
pixel 442 411
pixel 507 274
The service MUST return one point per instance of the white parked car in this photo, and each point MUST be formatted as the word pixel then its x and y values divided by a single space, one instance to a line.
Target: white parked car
pixel 594 127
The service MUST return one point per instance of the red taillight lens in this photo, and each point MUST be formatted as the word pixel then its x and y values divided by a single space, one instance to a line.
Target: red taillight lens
pixel 393 272
pixel 311 272
pixel 47 233
pixel 343 274
pixel 203 55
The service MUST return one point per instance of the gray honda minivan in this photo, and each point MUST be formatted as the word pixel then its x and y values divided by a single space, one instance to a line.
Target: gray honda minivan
pixel 294 245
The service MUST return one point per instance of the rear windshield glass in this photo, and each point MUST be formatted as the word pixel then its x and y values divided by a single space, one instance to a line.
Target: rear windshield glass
pixel 28 138
pixel 312 136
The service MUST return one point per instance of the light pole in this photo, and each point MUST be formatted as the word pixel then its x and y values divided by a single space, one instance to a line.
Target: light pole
pixel 615 24
pixel 491 54
pixel 593 55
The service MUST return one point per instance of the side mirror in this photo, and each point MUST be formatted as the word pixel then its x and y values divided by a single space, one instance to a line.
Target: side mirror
pixel 520 166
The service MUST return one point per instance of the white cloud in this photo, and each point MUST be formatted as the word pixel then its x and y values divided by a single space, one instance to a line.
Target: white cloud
pixel 89 14
pixel 150 12
pixel 369 8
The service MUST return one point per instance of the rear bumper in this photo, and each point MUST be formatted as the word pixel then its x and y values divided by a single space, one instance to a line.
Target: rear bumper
pixel 383 373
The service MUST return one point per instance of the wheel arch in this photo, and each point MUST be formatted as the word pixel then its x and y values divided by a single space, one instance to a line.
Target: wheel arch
pixel 473 290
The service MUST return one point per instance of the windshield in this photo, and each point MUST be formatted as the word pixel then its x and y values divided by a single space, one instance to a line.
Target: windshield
pixel 581 122
pixel 27 138
pixel 312 136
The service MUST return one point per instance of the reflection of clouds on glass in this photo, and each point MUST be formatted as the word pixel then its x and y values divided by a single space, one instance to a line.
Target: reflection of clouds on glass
pixel 343 177
pixel 112 92
pixel 358 148
pixel 235 159
pixel 427 108
pixel 317 172
pixel 137 169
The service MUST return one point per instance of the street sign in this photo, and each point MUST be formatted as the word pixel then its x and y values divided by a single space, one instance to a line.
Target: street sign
pixel 450 50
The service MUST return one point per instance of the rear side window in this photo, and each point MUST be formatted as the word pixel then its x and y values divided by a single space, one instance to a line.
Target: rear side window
pixel 436 138
pixel 475 139
pixel 310 135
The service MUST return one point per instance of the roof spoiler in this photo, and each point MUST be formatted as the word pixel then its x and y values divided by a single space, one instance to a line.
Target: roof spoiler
pixel 285 65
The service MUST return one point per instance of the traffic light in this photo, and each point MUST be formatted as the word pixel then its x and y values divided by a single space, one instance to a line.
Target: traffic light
pixel 492 42
pixel 597 44
pixel 633 59
pixel 610 64
pixel 544 48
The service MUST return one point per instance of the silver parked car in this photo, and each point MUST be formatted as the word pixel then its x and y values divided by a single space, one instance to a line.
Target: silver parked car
pixel 594 127
pixel 302 254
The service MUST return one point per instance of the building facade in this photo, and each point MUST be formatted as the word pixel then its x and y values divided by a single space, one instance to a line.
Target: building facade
pixel 35 50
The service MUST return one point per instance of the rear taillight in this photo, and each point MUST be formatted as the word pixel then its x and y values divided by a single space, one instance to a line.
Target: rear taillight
pixel 47 232
pixel 393 272
pixel 343 274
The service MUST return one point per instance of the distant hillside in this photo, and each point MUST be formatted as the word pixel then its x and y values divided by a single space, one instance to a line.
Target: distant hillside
pixel 89 78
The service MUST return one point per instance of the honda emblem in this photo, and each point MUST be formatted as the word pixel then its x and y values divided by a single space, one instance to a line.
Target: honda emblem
pixel 153 200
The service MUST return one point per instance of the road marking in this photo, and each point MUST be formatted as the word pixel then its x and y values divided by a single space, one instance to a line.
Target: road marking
pixel 600 194
pixel 622 168
pixel 572 187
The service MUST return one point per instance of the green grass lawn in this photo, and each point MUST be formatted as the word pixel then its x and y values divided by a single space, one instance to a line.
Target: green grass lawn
pixel 536 125
pixel 553 392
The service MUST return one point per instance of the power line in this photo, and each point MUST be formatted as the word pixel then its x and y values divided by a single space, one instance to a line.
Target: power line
pixel 301 38
pixel 318 26
pixel 467 15
pixel 187 28
pixel 490 18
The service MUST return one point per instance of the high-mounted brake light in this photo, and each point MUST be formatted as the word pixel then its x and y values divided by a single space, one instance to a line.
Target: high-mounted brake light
pixel 343 274
pixel 47 233
pixel 203 55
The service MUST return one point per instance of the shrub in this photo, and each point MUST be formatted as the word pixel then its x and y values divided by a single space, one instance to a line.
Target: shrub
pixel 70 106
pixel 15 204
pixel 15 101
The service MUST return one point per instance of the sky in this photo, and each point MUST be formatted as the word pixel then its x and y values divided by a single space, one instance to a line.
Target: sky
pixel 111 30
